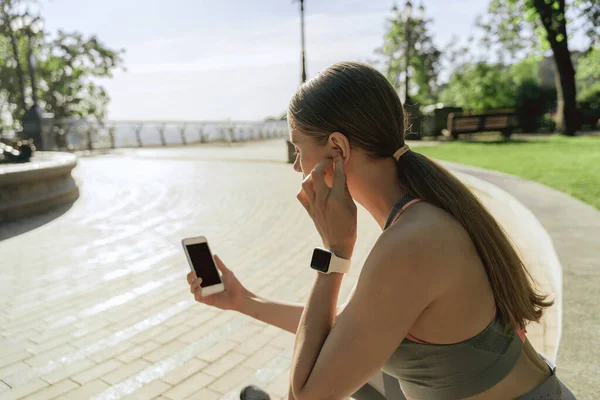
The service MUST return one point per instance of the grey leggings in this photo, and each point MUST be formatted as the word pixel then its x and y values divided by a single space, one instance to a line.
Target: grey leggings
pixel 551 388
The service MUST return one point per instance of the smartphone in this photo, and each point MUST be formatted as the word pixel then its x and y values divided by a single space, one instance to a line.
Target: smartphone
pixel 202 261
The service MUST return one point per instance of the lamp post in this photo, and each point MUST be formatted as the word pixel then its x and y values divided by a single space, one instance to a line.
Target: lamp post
pixel 302 39
pixel 32 119
pixel 291 152
pixel 406 17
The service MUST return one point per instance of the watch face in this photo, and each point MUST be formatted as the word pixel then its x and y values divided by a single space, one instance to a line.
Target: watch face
pixel 320 260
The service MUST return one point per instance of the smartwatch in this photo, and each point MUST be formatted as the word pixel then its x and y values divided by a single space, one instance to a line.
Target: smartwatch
pixel 327 262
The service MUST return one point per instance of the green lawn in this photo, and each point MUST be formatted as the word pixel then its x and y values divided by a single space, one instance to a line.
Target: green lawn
pixel 571 165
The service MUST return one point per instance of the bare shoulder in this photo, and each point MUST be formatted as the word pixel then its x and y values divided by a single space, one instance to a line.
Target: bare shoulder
pixel 426 221
pixel 428 237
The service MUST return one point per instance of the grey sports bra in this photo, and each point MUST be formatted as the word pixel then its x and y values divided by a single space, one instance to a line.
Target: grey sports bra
pixel 453 371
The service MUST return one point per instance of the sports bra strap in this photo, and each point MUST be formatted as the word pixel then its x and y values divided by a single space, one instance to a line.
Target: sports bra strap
pixel 406 201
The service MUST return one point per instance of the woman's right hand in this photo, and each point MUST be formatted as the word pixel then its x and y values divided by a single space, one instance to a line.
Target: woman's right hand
pixel 229 299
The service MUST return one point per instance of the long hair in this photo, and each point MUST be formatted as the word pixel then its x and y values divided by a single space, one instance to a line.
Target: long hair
pixel 358 101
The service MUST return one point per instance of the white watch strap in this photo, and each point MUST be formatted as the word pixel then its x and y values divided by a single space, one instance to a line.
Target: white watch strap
pixel 339 265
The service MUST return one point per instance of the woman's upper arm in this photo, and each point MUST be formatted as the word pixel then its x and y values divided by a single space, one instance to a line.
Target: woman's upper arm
pixel 393 289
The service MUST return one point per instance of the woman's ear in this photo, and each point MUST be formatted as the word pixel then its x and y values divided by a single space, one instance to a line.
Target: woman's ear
pixel 339 141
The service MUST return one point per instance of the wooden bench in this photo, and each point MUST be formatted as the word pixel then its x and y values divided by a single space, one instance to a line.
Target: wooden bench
pixel 464 123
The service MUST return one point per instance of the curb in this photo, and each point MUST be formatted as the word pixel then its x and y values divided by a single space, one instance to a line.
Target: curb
pixel 40 185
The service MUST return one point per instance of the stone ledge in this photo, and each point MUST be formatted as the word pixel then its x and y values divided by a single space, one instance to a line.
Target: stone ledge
pixel 40 185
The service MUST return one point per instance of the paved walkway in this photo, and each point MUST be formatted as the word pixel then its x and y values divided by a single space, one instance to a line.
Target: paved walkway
pixel 95 303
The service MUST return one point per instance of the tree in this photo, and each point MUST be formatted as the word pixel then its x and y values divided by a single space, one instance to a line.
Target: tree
pixel 8 31
pixel 68 65
pixel 480 87
pixel 423 58
pixel 528 25
pixel 588 77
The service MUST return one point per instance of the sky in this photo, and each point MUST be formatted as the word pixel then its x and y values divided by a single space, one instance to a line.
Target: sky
pixel 226 59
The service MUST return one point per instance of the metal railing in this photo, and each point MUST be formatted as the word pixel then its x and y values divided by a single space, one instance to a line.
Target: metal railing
pixel 81 134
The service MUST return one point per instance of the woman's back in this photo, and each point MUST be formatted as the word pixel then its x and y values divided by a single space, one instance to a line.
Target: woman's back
pixel 467 306
pixel 460 333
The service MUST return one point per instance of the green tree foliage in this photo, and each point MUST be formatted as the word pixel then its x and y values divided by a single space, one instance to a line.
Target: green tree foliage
pixel 588 88
pixel 67 69
pixel 588 77
pixel 522 26
pixel 479 87
pixel 525 70
pixel 532 101
pixel 423 61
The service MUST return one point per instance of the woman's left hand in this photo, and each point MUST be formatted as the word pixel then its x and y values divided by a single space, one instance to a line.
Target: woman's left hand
pixel 332 209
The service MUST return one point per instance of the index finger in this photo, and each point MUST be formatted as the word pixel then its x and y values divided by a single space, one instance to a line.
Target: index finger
pixel 191 276
pixel 339 174
pixel 318 175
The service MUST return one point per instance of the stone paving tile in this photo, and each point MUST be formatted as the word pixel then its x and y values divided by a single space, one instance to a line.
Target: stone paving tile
pixel 111 352
pixel 148 334
pixel 271 330
pixel 15 343
pixel 150 391
pixel 190 386
pixel 221 319
pixel 184 371
pixel 171 334
pixel 13 368
pixel 215 352
pixel 265 375
pixel 205 394
pixel 117 308
pixel 261 357
pixel 125 371
pixel 232 379
pixel 90 338
pixel 180 319
pixel 96 371
pixel 25 375
pixel 11 358
pixel 137 351
pixel 68 371
pixel 24 331
pixel 168 364
pixel 280 386
pixel 86 391
pixel 282 340
pixel 195 333
pixel 56 390
pixel 164 351
pixel 49 344
pixel 224 364
pixel 19 346
pixel 247 332
pixel 251 345
pixel 24 390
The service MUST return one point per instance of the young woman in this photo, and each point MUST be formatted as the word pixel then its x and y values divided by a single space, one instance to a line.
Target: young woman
pixel 442 300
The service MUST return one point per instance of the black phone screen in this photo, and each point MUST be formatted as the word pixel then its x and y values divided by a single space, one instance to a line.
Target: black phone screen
pixel 203 264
